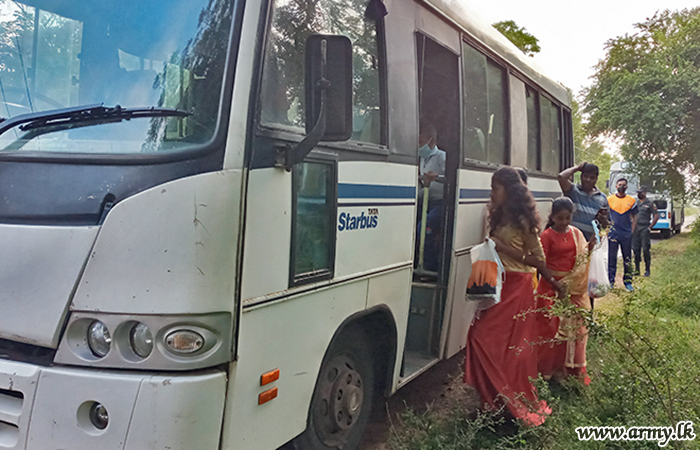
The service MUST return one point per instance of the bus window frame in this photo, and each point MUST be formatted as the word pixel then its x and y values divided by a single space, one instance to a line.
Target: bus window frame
pixel 466 162
pixel 534 88
pixel 292 134
pixel 295 280
pixel 560 108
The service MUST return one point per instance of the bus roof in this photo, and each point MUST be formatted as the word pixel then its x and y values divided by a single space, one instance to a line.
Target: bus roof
pixel 459 14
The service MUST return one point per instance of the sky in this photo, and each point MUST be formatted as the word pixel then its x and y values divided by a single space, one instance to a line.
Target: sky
pixel 572 34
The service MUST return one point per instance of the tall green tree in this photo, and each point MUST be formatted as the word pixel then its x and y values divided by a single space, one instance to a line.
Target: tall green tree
pixel 589 151
pixel 647 91
pixel 518 36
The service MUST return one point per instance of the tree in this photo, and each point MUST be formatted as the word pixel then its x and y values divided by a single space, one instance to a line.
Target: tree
pixel 646 91
pixel 592 152
pixel 518 36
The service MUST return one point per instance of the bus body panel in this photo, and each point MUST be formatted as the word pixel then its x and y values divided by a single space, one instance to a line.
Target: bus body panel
pixel 145 411
pixel 291 334
pixel 267 233
pixel 391 289
pixel 35 289
pixel 379 199
pixel 164 247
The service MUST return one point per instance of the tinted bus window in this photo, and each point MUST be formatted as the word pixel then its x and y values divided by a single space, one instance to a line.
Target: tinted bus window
pixel 283 74
pixel 485 135
pixel 314 221
pixel 533 128
pixel 551 136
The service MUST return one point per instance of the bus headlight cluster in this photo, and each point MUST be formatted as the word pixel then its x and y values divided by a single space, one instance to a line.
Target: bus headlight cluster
pixel 146 341
pixel 662 214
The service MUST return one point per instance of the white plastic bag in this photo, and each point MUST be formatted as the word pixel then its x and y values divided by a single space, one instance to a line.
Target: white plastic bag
pixel 487 276
pixel 598 283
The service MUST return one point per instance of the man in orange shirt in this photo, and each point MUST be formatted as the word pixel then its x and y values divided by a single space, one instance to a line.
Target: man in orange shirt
pixel 623 211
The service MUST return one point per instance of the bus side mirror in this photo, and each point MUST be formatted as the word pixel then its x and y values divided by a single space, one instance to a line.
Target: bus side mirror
pixel 328 95
pixel 329 72
pixel 607 184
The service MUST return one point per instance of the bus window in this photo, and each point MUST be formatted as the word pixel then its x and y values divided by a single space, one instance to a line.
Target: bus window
pixel 313 238
pixel 485 137
pixel 283 74
pixel 533 128
pixel 551 136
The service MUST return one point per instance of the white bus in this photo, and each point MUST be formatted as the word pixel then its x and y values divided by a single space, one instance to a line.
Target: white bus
pixel 671 210
pixel 192 258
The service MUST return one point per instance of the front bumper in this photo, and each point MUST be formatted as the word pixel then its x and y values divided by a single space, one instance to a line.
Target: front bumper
pixel 662 225
pixel 45 408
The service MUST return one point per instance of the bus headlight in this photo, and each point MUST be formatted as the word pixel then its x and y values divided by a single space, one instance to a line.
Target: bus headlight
pixel 146 341
pixel 98 338
pixel 141 340
pixel 662 214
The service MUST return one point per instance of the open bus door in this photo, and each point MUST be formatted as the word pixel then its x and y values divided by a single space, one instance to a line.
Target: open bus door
pixel 438 87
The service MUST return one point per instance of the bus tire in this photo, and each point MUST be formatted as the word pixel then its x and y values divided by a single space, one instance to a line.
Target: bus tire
pixel 342 400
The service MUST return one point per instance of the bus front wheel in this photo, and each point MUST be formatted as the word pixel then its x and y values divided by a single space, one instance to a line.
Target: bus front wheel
pixel 342 399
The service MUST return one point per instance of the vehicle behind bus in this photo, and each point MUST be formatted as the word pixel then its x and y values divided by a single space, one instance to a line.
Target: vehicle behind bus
pixel 671 211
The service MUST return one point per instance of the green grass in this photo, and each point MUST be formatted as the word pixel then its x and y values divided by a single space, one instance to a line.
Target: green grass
pixel 643 357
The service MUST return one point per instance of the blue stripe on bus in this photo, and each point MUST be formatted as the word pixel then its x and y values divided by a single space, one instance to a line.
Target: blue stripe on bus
pixel 547 194
pixel 475 193
pixel 661 226
pixel 351 190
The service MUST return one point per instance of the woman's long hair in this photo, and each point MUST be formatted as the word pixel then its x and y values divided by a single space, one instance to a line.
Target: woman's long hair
pixel 558 205
pixel 519 209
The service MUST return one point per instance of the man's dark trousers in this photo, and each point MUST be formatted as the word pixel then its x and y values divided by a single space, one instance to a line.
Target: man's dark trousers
pixel 641 243
pixel 623 241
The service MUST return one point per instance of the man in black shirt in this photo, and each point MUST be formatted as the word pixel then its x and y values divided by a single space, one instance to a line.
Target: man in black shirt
pixel 641 235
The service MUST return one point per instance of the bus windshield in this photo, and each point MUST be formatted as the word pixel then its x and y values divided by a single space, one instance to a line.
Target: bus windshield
pixel 58 54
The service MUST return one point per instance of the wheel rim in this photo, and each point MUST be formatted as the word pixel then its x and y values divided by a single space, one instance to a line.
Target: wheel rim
pixel 339 402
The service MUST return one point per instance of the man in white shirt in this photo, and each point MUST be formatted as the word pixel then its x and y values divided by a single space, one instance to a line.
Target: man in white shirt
pixel 432 166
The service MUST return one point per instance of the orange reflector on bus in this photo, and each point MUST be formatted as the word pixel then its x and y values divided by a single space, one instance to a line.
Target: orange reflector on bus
pixel 269 377
pixel 267 395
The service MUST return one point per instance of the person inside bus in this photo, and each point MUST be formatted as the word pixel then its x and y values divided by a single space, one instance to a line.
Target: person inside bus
pixel 641 235
pixel 432 166
pixel 500 356
pixel 623 210
pixel 591 204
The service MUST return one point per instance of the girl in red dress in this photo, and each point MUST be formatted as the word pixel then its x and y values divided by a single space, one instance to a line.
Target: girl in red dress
pixel 562 349
pixel 500 355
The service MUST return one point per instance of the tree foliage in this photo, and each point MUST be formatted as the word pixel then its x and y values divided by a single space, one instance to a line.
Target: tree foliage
pixel 584 150
pixel 647 92
pixel 518 36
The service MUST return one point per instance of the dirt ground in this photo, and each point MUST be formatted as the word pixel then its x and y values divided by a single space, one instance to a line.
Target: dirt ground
pixel 436 389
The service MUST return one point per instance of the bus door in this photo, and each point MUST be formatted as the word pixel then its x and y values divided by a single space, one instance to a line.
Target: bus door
pixel 438 90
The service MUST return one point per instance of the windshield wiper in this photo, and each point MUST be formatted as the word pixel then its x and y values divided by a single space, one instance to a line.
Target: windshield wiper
pixel 79 116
